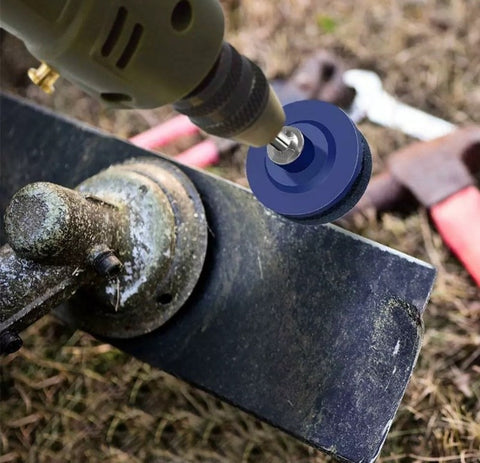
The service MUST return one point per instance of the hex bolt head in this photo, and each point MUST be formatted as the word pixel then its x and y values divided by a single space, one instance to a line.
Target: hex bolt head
pixel 105 262
pixel 10 342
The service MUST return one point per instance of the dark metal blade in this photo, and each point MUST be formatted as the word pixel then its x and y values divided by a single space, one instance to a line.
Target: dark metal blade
pixel 310 328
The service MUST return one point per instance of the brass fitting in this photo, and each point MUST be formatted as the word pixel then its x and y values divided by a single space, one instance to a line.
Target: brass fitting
pixel 44 76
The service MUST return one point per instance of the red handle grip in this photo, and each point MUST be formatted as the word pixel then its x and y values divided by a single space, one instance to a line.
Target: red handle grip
pixel 164 133
pixel 457 218
pixel 202 155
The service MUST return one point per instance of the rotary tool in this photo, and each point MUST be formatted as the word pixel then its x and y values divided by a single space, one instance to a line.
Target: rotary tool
pixel 132 54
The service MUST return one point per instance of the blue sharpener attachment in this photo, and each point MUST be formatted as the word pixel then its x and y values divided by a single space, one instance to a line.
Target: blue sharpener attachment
pixel 330 175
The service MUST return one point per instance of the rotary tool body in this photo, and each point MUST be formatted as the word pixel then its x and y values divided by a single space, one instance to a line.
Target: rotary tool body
pixel 132 54
pixel 147 54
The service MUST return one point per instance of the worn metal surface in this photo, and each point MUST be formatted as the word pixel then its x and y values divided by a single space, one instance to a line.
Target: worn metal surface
pixel 28 290
pixel 308 327
pixel 165 255
pixel 148 212
pixel 52 233
pixel 47 222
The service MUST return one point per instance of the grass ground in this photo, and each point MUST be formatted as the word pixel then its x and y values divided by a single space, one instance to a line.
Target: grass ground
pixel 67 397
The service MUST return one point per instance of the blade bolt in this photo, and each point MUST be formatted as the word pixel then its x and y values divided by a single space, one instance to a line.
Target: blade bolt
pixel 105 262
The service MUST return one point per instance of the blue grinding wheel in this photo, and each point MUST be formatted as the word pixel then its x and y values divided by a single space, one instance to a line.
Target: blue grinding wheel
pixel 330 175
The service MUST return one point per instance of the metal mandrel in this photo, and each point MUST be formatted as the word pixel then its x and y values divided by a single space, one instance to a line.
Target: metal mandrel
pixel 287 146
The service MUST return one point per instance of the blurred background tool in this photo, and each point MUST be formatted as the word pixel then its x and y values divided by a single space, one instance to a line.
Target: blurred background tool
pixel 375 104
pixel 439 174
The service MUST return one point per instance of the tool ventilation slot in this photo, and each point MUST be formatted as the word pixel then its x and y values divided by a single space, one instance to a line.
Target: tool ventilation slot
pixel 131 46
pixel 115 34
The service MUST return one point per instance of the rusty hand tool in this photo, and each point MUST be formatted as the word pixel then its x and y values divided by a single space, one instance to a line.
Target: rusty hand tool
pixel 440 175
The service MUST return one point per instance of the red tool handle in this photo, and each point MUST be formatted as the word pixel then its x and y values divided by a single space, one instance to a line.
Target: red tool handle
pixel 165 133
pixel 457 218
pixel 203 154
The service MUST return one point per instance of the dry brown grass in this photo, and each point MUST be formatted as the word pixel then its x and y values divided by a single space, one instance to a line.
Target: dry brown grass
pixel 66 397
